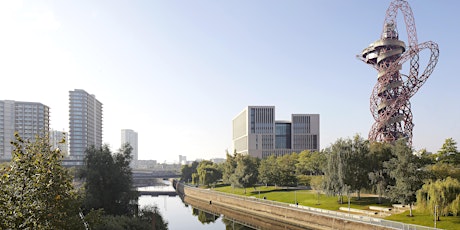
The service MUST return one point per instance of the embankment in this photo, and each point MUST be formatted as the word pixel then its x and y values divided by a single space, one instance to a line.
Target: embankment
pixel 268 210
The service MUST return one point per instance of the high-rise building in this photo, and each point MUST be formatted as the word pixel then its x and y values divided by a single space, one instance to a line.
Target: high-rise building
pixel 257 133
pixel 182 160
pixel 56 138
pixel 130 137
pixel 27 118
pixel 85 123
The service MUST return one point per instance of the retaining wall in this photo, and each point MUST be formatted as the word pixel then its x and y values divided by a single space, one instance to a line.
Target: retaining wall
pixel 285 213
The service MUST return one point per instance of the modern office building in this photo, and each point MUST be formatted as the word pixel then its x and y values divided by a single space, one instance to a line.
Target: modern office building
pixel 27 118
pixel 257 133
pixel 130 137
pixel 56 138
pixel 85 123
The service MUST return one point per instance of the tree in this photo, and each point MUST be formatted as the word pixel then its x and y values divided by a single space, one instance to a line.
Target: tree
pixel 246 172
pixel 442 170
pixel 449 153
pixel 311 163
pixel 187 171
pixel 379 177
pixel 208 173
pixel 229 167
pixel 441 194
pixel 108 183
pixel 405 169
pixel 333 181
pixel 287 168
pixel 347 167
pixel 36 191
pixel 269 171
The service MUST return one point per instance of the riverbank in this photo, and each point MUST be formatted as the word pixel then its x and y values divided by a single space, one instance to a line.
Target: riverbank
pixel 301 216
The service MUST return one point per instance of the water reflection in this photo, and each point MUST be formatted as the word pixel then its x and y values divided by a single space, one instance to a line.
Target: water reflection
pixel 189 213
pixel 204 217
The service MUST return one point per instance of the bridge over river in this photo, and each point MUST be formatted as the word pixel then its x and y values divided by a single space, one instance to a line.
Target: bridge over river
pixel 152 178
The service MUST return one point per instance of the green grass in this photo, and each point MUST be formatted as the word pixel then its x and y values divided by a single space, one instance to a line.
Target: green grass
pixel 309 198
pixel 427 219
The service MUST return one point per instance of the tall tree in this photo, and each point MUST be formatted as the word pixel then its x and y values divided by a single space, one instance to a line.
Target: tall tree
pixel 287 169
pixel 246 172
pixel 449 153
pixel 333 181
pixel 229 167
pixel 108 183
pixel 269 172
pixel 379 177
pixel 208 173
pixel 187 171
pixel 36 191
pixel 404 168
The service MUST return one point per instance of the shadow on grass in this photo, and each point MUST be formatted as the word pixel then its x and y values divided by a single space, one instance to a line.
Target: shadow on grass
pixel 369 201
pixel 274 190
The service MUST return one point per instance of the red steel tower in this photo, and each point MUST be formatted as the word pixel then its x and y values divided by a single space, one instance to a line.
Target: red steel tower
pixel 389 102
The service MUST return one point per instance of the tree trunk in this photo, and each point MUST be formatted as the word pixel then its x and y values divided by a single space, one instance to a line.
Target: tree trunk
pixel 410 208
pixel 359 195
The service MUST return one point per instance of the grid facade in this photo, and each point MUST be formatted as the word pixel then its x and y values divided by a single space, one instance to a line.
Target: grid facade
pixel 257 133
pixel 85 123
pixel 29 119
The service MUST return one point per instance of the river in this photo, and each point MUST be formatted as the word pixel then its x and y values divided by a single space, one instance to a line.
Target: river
pixel 183 216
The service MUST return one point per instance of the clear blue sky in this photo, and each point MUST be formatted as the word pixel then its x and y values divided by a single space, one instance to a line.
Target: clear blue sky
pixel 178 72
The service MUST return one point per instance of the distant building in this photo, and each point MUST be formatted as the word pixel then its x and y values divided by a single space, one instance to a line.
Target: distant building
pixel 182 160
pixel 146 164
pixel 56 137
pixel 27 118
pixel 217 160
pixel 85 123
pixel 257 133
pixel 130 137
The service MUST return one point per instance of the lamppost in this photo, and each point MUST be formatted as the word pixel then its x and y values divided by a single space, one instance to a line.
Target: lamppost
pixel 295 197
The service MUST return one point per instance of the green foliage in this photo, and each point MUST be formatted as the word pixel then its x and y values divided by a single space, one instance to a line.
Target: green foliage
pixel 148 218
pixel 187 171
pixel 108 183
pixel 36 191
pixel 229 167
pixel 449 153
pixel 204 217
pixel 404 168
pixel 269 171
pixel 310 163
pixel 208 173
pixel 443 194
pixel 442 170
pixel 246 172
pixel 347 168
pixel 287 170
pixel 378 176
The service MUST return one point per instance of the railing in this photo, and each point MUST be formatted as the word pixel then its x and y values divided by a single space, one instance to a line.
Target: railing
pixel 339 215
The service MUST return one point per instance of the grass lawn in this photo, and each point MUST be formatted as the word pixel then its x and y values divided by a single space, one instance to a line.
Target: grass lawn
pixel 310 198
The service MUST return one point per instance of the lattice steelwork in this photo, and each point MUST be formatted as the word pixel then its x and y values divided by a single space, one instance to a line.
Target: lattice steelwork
pixel 390 104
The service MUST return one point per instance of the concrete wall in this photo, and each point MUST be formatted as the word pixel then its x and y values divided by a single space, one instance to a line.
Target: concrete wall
pixel 271 210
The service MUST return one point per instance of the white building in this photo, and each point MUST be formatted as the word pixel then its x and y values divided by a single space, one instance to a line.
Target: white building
pixel 130 137
pixel 27 118
pixel 85 123
pixel 257 133
pixel 55 141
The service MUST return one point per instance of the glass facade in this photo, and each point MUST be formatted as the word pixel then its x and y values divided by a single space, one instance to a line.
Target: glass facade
pixel 282 135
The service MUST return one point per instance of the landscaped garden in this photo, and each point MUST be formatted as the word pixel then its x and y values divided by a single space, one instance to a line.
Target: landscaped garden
pixel 310 198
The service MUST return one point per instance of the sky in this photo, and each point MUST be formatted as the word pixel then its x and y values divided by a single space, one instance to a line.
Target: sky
pixel 178 72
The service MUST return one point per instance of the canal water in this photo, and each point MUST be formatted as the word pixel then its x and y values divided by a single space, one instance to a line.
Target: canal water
pixel 182 216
